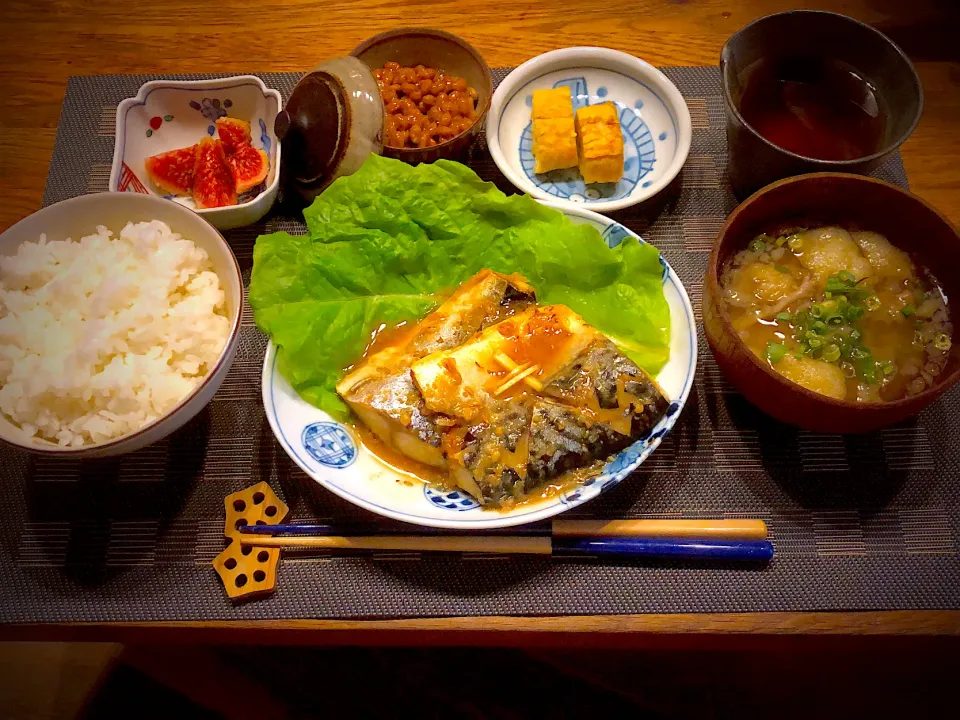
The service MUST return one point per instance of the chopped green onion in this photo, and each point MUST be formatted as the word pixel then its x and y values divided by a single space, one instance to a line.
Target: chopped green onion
pixel 775 352
pixel 855 335
pixel 872 302
pixel 758 245
pixel 781 241
pixel 836 320
pixel 908 309
pixel 847 277
pixel 780 268
pixel 819 327
pixel 853 313
pixel 814 342
pixel 831 353
pixel 816 311
pixel 848 369
pixel 785 316
pixel 942 342
pixel 794 242
pixel 888 368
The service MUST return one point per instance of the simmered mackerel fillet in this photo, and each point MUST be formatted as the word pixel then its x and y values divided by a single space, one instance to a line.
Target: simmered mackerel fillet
pixel 504 438
pixel 380 389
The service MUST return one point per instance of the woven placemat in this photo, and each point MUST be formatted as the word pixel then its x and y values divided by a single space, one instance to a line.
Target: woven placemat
pixel 868 522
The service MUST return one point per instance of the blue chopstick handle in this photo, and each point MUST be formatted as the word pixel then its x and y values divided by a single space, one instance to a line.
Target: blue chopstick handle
pixel 683 549
pixel 288 528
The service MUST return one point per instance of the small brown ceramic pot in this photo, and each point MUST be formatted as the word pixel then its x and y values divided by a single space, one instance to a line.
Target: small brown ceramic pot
pixel 850 201
pixel 440 50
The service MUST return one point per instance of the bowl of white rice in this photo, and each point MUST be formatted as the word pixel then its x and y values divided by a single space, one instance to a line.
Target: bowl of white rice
pixel 119 318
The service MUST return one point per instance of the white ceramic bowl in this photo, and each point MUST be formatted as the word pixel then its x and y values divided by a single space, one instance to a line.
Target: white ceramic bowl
pixel 654 120
pixel 80 216
pixel 327 451
pixel 170 114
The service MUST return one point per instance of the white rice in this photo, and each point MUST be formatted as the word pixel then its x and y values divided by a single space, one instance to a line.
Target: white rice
pixel 101 337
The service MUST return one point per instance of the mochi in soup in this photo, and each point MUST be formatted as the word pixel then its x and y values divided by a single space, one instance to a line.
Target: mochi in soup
pixel 845 314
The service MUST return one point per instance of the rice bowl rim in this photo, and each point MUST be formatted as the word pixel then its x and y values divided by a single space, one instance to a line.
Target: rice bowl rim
pixel 52 449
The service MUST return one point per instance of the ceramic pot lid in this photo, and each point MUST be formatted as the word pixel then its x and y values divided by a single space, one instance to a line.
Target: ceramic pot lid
pixel 330 125
pixel 313 126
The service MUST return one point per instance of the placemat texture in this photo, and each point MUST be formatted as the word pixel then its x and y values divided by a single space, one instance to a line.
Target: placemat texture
pixel 868 522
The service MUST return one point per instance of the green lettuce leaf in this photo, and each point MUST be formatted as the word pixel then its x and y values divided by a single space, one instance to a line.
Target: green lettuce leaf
pixel 388 242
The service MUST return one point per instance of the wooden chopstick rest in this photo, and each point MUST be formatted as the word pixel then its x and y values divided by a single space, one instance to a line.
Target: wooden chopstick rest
pixel 246 570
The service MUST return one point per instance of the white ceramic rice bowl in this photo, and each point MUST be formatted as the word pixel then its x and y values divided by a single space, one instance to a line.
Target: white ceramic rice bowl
pixel 80 216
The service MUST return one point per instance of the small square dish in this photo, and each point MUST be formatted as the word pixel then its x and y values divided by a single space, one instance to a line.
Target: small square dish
pixel 167 115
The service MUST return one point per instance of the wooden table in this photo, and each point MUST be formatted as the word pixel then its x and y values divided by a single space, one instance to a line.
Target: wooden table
pixel 43 42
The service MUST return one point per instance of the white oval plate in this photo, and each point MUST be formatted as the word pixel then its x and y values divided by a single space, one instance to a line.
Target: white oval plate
pixel 654 121
pixel 327 451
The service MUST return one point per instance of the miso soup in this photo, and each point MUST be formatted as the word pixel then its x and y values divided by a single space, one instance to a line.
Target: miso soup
pixel 845 314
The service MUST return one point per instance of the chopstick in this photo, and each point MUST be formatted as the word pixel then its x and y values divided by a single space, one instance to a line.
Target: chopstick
pixel 729 539
pixel 689 549
pixel 726 529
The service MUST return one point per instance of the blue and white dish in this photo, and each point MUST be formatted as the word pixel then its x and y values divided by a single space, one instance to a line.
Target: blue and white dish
pixel 170 114
pixel 330 452
pixel 654 120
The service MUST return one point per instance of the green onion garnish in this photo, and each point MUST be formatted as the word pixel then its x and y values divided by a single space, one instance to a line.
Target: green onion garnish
pixel 758 245
pixel 872 302
pixel 853 313
pixel 780 268
pixel 831 353
pixel 775 352
pixel 942 342
pixel 785 316
pixel 908 309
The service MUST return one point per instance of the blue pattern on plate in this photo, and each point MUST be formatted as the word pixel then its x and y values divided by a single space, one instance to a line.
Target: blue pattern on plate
pixel 614 234
pixel 602 92
pixel 329 444
pixel 578 91
pixel 638 105
pixel 264 137
pixel 456 500
pixel 638 149
pixel 663 135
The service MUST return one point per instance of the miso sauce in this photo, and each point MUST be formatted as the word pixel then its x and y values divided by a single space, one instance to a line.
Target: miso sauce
pixel 818 108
